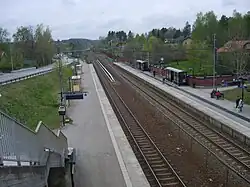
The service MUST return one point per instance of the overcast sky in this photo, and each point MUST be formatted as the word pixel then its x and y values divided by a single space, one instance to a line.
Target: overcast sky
pixel 94 18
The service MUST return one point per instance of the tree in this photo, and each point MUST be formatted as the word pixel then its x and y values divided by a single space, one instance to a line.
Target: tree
pixel 130 36
pixel 4 35
pixel 187 30
pixel 35 45
pixel 201 56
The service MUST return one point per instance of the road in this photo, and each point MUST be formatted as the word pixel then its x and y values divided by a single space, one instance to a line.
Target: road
pixel 11 76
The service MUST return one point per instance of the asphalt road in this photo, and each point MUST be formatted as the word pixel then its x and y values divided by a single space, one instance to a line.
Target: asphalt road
pixel 10 76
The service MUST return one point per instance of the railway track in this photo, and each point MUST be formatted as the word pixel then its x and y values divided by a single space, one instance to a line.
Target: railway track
pixel 232 155
pixel 159 173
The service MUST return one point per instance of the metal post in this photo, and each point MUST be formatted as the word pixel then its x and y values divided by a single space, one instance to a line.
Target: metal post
pixel 61 80
pixel 242 89
pixel 214 47
pixel 111 49
pixel 148 59
pixel 11 60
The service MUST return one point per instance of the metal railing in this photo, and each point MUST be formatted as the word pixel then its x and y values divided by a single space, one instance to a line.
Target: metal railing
pixel 17 79
pixel 21 145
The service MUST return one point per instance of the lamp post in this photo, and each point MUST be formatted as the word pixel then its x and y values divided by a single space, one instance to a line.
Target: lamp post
pixel 214 68
pixel 242 88
pixel 162 61
pixel 62 107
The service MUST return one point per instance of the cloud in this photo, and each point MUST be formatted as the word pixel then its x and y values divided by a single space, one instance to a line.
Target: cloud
pixel 94 18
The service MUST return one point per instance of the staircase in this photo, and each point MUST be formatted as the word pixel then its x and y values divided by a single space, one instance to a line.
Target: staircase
pixel 27 156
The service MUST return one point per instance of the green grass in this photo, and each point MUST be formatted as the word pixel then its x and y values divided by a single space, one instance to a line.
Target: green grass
pixel 34 99
pixel 186 65
pixel 232 95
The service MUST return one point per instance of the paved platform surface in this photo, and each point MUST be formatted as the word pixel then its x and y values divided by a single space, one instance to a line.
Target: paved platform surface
pixel 104 156
pixel 226 118
pixel 205 94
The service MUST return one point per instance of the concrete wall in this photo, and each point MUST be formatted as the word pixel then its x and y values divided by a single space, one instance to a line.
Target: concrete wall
pixel 24 176
pixel 57 177
pixel 208 81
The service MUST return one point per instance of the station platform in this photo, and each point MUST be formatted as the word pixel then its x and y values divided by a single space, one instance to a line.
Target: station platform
pixel 204 94
pixel 104 156
pixel 233 122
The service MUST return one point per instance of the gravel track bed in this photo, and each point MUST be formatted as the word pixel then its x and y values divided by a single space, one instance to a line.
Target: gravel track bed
pixel 176 149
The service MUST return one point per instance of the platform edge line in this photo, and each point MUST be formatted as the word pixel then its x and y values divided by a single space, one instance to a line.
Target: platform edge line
pixel 112 136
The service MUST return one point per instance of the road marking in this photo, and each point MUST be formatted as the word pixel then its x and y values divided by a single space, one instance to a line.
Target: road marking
pixel 111 133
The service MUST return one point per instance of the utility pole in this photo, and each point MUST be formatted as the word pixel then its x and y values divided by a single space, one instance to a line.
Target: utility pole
pixel 214 69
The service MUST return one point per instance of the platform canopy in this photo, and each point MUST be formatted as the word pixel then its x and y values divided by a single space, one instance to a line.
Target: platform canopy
pixel 140 61
pixel 75 77
pixel 174 69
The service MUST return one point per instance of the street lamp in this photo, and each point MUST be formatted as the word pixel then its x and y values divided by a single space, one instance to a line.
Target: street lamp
pixel 61 107
pixel 162 59
pixel 242 88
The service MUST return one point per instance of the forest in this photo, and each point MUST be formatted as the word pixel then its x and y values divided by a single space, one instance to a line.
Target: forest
pixel 225 40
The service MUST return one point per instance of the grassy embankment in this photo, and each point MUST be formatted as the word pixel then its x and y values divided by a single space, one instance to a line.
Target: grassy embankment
pixel 232 95
pixel 186 65
pixel 34 99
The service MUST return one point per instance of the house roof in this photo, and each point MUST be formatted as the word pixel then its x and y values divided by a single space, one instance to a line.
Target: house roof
pixel 231 46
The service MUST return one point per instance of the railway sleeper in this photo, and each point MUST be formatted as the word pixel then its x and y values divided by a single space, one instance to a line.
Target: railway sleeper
pixel 158 165
pixel 229 148
pixel 219 141
pixel 238 154
pixel 167 178
pixel 154 158
pixel 164 174
pixel 243 157
pixel 225 145
pixel 152 155
pixel 156 161
pixel 146 148
pixel 234 151
pixel 246 161
pixel 143 143
pixel 171 184
pixel 160 170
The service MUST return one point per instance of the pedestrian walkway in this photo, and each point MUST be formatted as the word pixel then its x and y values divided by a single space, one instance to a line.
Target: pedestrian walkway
pixel 231 121
pixel 104 156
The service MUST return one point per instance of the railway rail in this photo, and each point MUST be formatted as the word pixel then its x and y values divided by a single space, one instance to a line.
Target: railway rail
pixel 159 171
pixel 229 153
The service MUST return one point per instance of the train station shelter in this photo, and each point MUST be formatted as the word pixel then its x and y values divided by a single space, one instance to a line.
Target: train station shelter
pixel 75 83
pixel 142 65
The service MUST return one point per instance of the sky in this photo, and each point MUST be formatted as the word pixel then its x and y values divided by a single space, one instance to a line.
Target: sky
pixel 93 18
